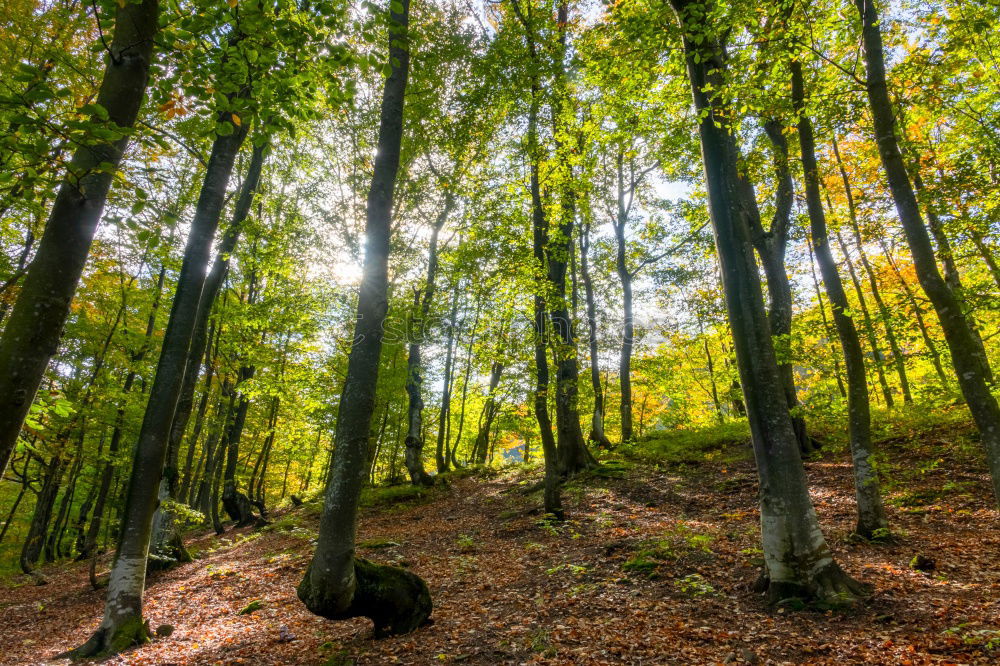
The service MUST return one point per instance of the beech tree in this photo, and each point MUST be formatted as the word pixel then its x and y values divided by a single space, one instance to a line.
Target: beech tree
pixel 972 368
pixel 31 333
pixel 337 585
pixel 797 558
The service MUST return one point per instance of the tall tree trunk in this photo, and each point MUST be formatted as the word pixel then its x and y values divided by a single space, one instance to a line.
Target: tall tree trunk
pixel 414 371
pixel 871 514
pixel 337 585
pixel 200 340
pixel 918 315
pixel 710 365
pixel 213 454
pixel 597 421
pixel 571 446
pixel 481 448
pixel 123 625
pixel 628 330
pixel 465 385
pixel 987 254
pixel 31 550
pixel 797 559
pixel 55 534
pixel 826 323
pixel 890 336
pixel 952 278
pixel 32 333
pixel 188 474
pixel 877 355
pixel 215 485
pixel 970 364
pixel 770 246
pixel 444 417
pixel 236 503
pixel 540 241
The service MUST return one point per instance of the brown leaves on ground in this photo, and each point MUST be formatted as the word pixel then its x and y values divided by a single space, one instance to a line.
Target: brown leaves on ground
pixel 653 567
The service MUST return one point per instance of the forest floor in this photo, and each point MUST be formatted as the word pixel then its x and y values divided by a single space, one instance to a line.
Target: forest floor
pixel 655 565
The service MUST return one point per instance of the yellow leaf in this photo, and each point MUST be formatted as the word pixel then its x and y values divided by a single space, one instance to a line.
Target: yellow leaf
pixel 236 120
pixel 232 3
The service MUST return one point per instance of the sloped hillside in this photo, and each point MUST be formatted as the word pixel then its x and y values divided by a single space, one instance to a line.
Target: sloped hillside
pixel 656 565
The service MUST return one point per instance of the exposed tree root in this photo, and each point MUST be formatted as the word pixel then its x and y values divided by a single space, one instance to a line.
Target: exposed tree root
pixel 170 556
pixel 109 641
pixel 240 508
pixel 828 587
pixel 396 600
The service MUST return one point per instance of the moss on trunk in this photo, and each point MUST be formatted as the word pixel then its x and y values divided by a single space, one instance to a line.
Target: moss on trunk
pixel 395 600
pixel 109 641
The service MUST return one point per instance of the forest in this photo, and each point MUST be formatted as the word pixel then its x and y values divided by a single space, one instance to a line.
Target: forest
pixel 500 331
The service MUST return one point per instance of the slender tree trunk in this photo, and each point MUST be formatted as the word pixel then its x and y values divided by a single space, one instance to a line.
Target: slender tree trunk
pixel 987 255
pixel 123 624
pixel 797 559
pixel 312 457
pixel 337 585
pixel 714 390
pixel 628 330
pixel 187 480
pixel 540 241
pixel 215 487
pixel 34 541
pixel 465 385
pixel 32 333
pixel 971 366
pixel 200 338
pixel 571 446
pixel 597 422
pixel 213 455
pixel 952 278
pixel 62 514
pixel 826 322
pixel 237 504
pixel 414 371
pixel 877 355
pixel 481 448
pixel 890 336
pixel 872 520
pixel 771 245
pixel 918 314
pixel 444 418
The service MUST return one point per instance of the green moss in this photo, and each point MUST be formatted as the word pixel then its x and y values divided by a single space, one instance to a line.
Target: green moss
pixel 725 443
pixel 134 631
pixel 251 607
pixel 641 564
pixel 397 601
pixel 388 495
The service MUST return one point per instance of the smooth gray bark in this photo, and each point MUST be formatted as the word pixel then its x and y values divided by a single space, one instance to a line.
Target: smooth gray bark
pixel 797 558
pixel 969 362
pixel 338 585
pixel 123 624
pixel 31 335
pixel 872 519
